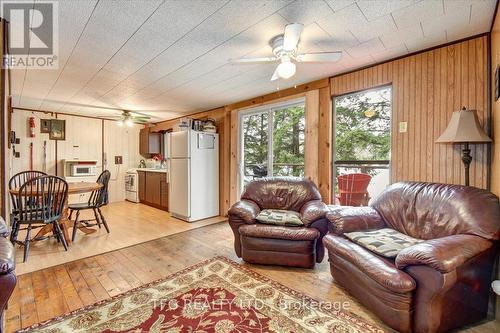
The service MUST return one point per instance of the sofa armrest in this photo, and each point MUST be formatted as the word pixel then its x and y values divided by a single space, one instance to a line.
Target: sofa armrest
pixel 244 210
pixel 7 258
pixel 242 213
pixel 443 254
pixel 348 219
pixel 312 211
pixel 4 229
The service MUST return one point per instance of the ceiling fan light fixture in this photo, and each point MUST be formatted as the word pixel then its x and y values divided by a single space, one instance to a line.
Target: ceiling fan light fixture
pixel 129 122
pixel 120 123
pixel 286 69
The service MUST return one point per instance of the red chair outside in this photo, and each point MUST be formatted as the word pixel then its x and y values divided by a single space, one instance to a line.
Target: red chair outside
pixel 353 189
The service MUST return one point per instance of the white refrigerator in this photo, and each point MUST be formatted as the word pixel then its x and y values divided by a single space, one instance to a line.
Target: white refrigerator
pixel 193 174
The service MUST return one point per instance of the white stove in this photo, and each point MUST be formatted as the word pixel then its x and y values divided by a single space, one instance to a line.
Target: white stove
pixel 131 185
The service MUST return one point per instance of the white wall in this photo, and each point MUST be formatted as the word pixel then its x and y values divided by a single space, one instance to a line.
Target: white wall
pixel 120 141
pixel 84 140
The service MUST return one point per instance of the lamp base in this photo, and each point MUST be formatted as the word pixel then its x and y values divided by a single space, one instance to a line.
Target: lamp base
pixel 466 159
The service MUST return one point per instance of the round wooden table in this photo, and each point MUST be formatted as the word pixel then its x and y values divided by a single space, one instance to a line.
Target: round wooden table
pixel 65 222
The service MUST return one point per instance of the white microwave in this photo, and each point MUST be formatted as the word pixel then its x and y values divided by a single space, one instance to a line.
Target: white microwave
pixel 83 170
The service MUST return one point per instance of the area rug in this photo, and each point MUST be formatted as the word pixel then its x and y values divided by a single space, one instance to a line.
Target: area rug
pixel 217 295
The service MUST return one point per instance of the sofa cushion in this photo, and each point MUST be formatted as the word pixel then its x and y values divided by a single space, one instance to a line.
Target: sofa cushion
pixel 387 242
pixel 379 269
pixel 277 232
pixel 279 217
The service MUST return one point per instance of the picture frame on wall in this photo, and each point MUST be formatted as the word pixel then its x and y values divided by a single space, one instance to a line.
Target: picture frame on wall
pixel 57 129
pixel 497 83
pixel 45 125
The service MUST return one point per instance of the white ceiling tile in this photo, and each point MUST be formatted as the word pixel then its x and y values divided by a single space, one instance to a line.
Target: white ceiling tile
pixel 420 11
pixel 397 38
pixel 394 52
pixel 426 42
pixel 452 19
pixel 451 6
pixel 337 5
pixel 372 46
pixel 482 13
pixel 375 9
pixel 375 28
pixel 305 11
pixel 342 20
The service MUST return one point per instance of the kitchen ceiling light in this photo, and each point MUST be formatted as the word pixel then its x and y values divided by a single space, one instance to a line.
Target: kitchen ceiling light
pixel 286 69
pixel 129 122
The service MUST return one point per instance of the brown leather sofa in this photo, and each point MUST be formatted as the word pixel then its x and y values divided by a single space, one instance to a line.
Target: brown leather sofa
pixel 436 285
pixel 278 245
pixel 7 274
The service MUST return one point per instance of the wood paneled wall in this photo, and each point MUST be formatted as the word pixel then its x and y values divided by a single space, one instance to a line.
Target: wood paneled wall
pixel 426 89
pixel 223 123
pixel 3 122
pixel 86 138
pixel 495 114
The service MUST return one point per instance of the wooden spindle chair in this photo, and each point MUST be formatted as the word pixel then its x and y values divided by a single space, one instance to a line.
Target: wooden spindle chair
pixel 97 199
pixel 16 182
pixel 40 202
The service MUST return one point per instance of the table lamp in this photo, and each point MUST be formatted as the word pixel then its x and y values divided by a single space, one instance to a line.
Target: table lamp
pixel 464 128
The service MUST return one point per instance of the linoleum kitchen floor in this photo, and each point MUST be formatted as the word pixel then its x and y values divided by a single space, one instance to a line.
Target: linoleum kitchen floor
pixel 129 223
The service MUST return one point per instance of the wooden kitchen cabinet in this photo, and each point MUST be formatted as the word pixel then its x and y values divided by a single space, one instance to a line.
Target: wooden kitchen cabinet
pixel 149 142
pixel 153 189
pixel 142 186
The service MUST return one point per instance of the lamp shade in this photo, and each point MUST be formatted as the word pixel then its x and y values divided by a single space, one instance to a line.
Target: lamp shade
pixel 463 127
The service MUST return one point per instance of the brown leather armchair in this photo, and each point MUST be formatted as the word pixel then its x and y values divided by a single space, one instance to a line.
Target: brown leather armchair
pixel 436 285
pixel 7 275
pixel 278 245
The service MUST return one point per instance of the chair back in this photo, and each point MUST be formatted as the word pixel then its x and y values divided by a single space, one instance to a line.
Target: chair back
pixel 353 189
pixel 100 196
pixel 18 180
pixel 432 210
pixel 288 193
pixel 42 199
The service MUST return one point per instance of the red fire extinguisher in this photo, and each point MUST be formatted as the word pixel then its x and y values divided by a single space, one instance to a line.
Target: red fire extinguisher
pixel 32 127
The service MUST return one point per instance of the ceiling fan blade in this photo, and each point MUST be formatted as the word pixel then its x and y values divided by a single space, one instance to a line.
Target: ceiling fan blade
pixel 275 75
pixel 252 60
pixel 319 57
pixel 292 36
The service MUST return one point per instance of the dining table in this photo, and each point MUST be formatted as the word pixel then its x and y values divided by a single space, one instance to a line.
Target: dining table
pixel 65 222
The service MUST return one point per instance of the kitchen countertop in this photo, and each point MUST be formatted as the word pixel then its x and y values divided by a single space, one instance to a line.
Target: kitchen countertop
pixel 152 170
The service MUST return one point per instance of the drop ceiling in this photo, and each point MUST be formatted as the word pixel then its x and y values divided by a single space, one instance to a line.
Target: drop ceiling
pixel 170 58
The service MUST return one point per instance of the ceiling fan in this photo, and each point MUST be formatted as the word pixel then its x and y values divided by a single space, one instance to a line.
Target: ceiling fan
pixel 129 118
pixel 285 51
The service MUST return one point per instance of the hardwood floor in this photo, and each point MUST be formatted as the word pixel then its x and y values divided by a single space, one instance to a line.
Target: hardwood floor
pixel 53 291
pixel 130 224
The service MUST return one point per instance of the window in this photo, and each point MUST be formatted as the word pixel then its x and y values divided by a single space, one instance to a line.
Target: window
pixel 363 137
pixel 272 142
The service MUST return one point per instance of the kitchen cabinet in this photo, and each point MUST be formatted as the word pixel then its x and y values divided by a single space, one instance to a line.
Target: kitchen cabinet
pixel 142 186
pixel 153 189
pixel 149 142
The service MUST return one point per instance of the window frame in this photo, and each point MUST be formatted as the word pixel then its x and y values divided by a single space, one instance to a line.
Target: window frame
pixel 269 109
pixel 334 129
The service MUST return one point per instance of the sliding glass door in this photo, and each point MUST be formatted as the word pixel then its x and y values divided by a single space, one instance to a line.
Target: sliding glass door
pixel 272 142
pixel 362 133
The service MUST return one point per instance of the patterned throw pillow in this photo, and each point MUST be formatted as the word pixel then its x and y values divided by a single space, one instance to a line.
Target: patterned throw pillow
pixel 280 217
pixel 386 242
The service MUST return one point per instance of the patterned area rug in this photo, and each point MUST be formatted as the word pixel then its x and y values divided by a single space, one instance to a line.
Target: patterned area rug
pixel 217 295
